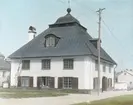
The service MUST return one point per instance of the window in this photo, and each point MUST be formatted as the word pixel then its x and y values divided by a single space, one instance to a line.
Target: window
pixel 109 82
pixel 26 64
pixel 68 63
pixel 4 74
pixel 104 68
pixel 46 64
pixel 51 40
pixel 46 81
pixel 109 68
pixel 67 82
pixel 25 81
pixel 95 83
pixel 96 65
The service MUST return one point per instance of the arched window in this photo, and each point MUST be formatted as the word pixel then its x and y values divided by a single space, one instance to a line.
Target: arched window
pixel 51 40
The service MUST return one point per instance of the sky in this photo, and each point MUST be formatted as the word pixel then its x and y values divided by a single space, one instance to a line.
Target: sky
pixel 116 32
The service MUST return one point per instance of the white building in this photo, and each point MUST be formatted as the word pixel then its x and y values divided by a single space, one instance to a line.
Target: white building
pixel 125 76
pixel 64 56
pixel 4 70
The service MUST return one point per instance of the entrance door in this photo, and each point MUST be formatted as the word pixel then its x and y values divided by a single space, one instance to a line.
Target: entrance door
pixel 104 83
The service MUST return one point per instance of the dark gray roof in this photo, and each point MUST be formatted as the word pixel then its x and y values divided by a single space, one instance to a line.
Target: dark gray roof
pixel 74 41
pixel 4 65
pixel 67 18
pixel 1 55
pixel 125 71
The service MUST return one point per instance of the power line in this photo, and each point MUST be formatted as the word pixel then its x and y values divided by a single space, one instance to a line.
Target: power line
pixel 85 6
pixel 91 10
pixel 79 4
pixel 61 1
pixel 109 30
pixel 111 33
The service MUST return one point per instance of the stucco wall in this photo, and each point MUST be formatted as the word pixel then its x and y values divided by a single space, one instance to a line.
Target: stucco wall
pixel 91 73
pixel 84 69
pixel 55 71
pixel 125 78
pixel 4 79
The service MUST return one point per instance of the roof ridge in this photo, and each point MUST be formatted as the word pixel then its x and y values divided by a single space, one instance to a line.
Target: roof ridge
pixel 128 72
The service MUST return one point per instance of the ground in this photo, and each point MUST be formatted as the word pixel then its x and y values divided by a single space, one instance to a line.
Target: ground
pixel 121 100
pixel 17 93
pixel 63 100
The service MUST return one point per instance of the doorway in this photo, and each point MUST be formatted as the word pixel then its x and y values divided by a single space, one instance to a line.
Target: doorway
pixel 104 83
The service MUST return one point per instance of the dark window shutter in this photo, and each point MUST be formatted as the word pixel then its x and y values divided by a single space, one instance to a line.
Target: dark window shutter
pixel 74 83
pixel 108 83
pixel 31 82
pixel 19 81
pixel 94 83
pixel 52 82
pixel 111 82
pixel 38 82
pixel 60 82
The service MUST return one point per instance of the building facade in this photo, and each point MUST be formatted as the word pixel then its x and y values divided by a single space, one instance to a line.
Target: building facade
pixel 64 56
pixel 4 70
pixel 125 76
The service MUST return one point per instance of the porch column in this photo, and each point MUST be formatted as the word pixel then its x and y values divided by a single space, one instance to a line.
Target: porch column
pixel 34 81
pixel 56 82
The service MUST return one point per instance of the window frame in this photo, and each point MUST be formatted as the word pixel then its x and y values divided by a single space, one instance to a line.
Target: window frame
pixel 95 82
pixel 67 82
pixel 104 67
pixel 50 41
pixel 69 65
pixel 46 66
pixel 96 65
pixel 48 38
pixel 110 68
pixel 24 67
pixel 46 81
pixel 23 78
pixel 4 74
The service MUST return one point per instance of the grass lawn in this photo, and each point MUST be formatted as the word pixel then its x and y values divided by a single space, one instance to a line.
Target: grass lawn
pixel 18 93
pixel 121 100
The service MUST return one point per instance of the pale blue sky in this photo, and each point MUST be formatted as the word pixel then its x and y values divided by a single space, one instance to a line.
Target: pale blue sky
pixel 17 15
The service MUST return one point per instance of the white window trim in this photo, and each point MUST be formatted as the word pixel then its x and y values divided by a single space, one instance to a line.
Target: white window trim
pixel 23 80
pixel 68 87
pixel 68 68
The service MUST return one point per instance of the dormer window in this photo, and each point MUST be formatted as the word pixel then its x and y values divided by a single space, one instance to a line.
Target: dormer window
pixel 51 40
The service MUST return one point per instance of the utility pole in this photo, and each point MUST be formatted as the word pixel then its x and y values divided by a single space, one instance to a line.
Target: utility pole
pixel 99 46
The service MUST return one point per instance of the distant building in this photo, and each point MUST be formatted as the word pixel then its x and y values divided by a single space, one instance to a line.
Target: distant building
pixel 125 76
pixel 4 70
pixel 64 56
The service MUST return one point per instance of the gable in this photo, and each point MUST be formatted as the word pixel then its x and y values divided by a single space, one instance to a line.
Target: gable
pixel 4 65
pixel 125 74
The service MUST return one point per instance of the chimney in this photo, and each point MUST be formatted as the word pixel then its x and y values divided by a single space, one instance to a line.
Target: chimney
pixel 32 32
